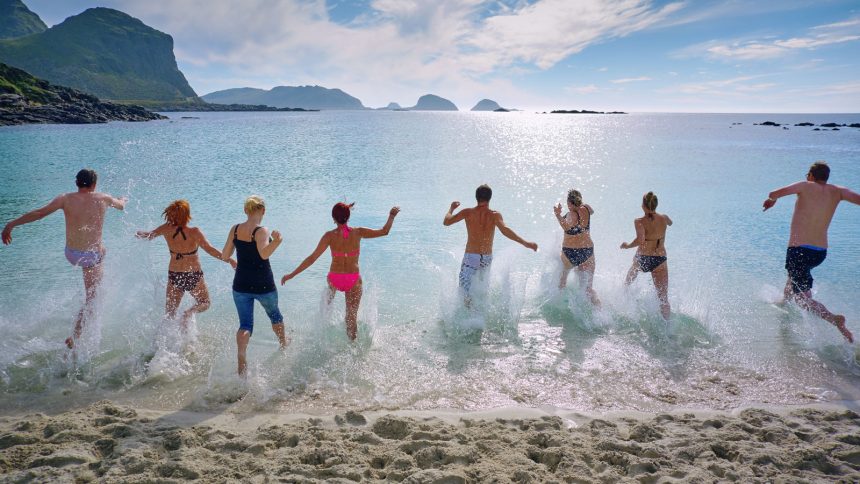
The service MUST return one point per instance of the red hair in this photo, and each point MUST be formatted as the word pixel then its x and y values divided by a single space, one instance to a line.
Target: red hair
pixel 340 212
pixel 178 213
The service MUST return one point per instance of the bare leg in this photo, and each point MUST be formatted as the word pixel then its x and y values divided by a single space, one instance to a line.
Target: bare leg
pixel 242 338
pixel 805 301
pixel 631 274
pixel 586 270
pixel 565 271
pixel 200 293
pixel 282 337
pixel 172 299
pixel 660 275
pixel 353 299
pixel 786 293
pixel 92 280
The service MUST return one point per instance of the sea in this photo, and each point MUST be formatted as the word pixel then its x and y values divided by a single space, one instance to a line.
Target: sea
pixel 522 343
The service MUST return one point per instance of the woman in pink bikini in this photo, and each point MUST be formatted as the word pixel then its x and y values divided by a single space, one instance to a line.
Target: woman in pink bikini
pixel 344 242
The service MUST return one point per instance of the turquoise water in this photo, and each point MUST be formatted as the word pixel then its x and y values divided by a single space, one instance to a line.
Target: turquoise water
pixel 524 343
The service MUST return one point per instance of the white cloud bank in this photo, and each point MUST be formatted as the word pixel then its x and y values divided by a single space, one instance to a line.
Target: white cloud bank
pixel 397 51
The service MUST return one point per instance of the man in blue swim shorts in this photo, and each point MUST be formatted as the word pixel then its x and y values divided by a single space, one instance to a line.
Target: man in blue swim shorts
pixel 84 211
pixel 807 245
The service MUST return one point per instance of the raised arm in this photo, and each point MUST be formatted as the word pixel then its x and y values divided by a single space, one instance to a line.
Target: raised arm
pixel 561 219
pixel 640 235
pixel 366 233
pixel 450 218
pixel 775 195
pixel 265 247
pixel 309 260
pixel 156 232
pixel 509 233
pixel 850 196
pixel 32 216
pixel 117 203
pixel 206 246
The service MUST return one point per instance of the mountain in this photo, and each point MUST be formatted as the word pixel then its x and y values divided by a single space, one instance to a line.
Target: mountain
pixel 431 102
pixel 486 105
pixel 25 99
pixel 306 97
pixel 392 107
pixel 16 20
pixel 103 52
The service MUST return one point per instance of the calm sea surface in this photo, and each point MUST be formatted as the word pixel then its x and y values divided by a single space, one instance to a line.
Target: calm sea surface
pixel 524 344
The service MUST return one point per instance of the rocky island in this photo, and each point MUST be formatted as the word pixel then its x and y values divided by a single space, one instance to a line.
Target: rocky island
pixel 431 102
pixel 304 97
pixel 488 105
pixel 584 111
pixel 25 99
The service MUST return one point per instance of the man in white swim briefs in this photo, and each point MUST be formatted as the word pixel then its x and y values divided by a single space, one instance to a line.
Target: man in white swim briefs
pixel 85 214
pixel 481 224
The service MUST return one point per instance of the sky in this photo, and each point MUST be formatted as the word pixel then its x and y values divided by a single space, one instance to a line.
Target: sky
pixel 629 55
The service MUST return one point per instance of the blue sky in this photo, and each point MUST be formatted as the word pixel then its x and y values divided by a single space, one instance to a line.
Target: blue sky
pixel 633 55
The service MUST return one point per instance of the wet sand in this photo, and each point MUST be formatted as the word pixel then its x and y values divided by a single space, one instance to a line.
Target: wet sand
pixel 115 443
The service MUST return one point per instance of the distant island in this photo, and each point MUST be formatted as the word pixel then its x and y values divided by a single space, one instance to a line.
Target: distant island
pixel 487 105
pixel 304 97
pixel 391 107
pixel 584 111
pixel 830 126
pixel 24 99
pixel 432 102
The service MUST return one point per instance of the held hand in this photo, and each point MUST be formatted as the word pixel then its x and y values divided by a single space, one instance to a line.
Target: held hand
pixel 286 278
pixel 454 206
pixel 394 211
pixel 276 236
pixel 7 235
pixel 232 263
pixel 768 204
pixel 557 210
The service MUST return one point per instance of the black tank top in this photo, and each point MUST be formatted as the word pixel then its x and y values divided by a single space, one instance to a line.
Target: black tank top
pixel 253 273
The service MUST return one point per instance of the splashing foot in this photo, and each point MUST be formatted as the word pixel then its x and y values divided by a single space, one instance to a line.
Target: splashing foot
pixel 839 322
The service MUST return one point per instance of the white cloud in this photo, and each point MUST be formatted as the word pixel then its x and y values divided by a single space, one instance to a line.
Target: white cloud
pixel 722 87
pixel 630 79
pixel 397 51
pixel 589 89
pixel 819 36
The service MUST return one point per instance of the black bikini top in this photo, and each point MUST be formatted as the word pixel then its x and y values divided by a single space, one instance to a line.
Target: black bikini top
pixel 578 228
pixel 651 217
pixel 180 255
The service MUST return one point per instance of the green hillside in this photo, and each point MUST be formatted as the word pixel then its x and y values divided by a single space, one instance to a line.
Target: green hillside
pixel 103 52
pixel 16 20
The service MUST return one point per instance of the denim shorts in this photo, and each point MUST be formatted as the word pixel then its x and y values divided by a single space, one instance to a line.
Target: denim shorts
pixel 245 307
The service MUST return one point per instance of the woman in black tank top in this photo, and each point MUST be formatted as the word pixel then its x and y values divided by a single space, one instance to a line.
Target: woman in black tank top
pixel 254 280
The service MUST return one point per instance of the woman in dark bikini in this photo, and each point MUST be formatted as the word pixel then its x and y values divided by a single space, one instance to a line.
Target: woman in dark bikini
pixel 651 252
pixel 184 273
pixel 254 280
pixel 344 242
pixel 577 249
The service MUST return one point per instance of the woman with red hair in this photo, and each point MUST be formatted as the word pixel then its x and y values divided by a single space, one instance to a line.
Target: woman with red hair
pixel 344 242
pixel 184 273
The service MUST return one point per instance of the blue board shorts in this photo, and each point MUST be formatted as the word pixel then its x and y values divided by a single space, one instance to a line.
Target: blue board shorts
pixel 245 307
pixel 83 258
pixel 799 262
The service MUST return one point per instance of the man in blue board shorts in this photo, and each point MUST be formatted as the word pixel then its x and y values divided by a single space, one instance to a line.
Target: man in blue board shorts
pixel 807 245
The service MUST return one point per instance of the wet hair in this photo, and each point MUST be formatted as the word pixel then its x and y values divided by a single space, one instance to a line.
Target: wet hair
pixel 484 193
pixel 341 212
pixel 254 203
pixel 649 201
pixel 86 178
pixel 574 197
pixel 820 171
pixel 178 213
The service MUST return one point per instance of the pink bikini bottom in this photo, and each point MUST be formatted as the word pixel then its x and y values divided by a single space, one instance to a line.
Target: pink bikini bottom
pixel 343 282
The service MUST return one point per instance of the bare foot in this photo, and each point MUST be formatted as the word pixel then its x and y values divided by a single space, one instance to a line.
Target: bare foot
pixel 839 322
pixel 70 342
pixel 286 342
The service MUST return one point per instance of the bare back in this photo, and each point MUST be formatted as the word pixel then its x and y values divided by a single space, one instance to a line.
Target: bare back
pixel 348 249
pixel 85 216
pixel 654 234
pixel 816 203
pixel 481 228
pixel 183 246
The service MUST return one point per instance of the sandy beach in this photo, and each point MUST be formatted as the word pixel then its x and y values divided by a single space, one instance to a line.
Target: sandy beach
pixel 113 443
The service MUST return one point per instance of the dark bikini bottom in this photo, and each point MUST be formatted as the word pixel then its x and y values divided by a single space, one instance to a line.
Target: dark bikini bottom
pixel 186 281
pixel 648 263
pixel 577 256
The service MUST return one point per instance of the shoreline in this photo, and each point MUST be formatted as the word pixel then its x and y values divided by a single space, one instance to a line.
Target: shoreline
pixel 107 441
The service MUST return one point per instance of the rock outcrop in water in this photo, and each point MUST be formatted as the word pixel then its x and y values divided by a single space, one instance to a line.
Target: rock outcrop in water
pixel 305 97
pixel 25 99
pixel 432 102
pixel 103 52
pixel 487 105
pixel 16 20
pixel 584 111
